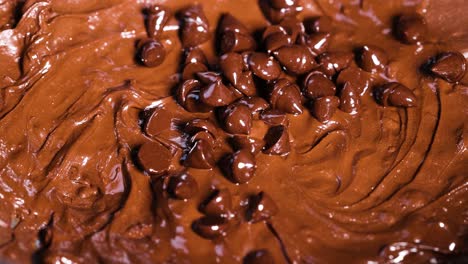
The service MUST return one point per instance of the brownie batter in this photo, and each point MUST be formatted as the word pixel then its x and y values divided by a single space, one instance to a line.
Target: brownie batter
pixel 271 131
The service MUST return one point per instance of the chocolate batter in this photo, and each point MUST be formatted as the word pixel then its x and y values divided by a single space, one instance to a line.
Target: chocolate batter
pixel 271 131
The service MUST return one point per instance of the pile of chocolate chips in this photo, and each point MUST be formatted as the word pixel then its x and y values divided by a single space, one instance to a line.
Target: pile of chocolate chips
pixel 287 71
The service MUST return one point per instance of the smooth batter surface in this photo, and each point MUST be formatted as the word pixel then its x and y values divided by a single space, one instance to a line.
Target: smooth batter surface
pixel 386 185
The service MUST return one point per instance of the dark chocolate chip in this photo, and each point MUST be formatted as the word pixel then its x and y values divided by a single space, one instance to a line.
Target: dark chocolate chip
pixel 237 119
pixel 232 65
pixel 276 41
pixel 261 208
pixel 230 23
pixel 196 125
pixel 334 62
pixel 276 15
pixel 195 55
pixel 321 24
pixel 255 104
pixel 239 167
pixel 264 66
pixel 159 121
pixel 274 117
pixel 277 141
pixel 232 41
pixel 195 27
pixel 210 227
pixel 273 29
pixel 286 96
pixel 278 4
pixel 191 69
pixel 317 84
pixel 152 53
pixel 450 66
pixel 261 256
pixel 217 94
pixel 200 156
pixel 205 136
pixel 411 28
pixel 254 145
pixel 154 157
pixel 158 16
pixel 218 203
pixel 317 42
pixel 324 107
pixel 188 95
pixel 296 59
pixel 209 77
pixel 293 27
pixel 182 186
pixel 355 76
pixel 395 94
pixel 372 58
pixel 349 98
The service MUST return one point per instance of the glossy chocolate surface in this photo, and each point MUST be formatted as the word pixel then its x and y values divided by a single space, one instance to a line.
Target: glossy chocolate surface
pixel 216 145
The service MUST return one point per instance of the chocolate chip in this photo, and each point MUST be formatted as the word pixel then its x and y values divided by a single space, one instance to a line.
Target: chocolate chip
pixel 261 208
pixel 372 58
pixel 317 84
pixel 232 41
pixel 159 121
pixel 321 24
pixel 239 167
pixel 278 4
pixel 188 95
pixel 355 76
pixel 411 28
pixel 158 16
pixel 273 29
pixel 209 77
pixel 324 107
pixel 276 15
pixel 237 119
pixel 254 145
pixel 195 55
pixel 317 42
pixel 296 59
pixel 264 66
pixel 395 94
pixel 277 141
pixel 197 125
pixel 182 186
pixel 191 69
pixel 232 65
pixel 230 23
pixel 261 256
pixel 200 156
pixel 218 203
pixel 204 136
pixel 216 94
pixel 293 27
pixel 195 27
pixel 274 117
pixel 450 66
pixel 277 40
pixel 151 53
pixel 210 227
pixel 154 157
pixel 286 96
pixel 334 62
pixel 255 104
pixel 349 98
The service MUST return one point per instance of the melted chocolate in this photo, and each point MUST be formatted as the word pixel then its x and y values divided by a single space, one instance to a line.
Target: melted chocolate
pixel 104 159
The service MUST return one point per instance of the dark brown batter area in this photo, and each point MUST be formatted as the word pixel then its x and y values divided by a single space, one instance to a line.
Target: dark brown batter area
pixel 120 142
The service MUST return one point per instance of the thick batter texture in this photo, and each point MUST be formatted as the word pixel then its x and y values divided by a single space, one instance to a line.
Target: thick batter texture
pixel 84 178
